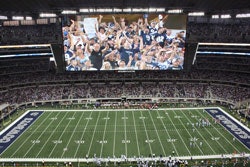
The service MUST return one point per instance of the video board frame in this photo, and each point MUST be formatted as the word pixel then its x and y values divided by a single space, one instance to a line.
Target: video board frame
pixel 124 42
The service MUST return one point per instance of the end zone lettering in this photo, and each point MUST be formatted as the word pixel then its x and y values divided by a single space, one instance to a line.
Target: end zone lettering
pixel 10 135
pixel 232 125
pixel 15 130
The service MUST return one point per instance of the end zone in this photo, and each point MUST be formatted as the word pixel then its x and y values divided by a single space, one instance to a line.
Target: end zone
pixel 12 132
pixel 237 129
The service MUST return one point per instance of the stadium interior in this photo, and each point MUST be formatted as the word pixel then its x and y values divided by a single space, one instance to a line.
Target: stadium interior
pixel 214 61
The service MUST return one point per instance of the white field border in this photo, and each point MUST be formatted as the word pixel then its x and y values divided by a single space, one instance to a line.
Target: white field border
pixel 89 160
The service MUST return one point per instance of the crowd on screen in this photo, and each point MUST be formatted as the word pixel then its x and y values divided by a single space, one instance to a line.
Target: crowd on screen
pixel 124 45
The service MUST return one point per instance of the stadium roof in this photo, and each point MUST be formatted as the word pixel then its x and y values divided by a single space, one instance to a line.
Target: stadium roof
pixel 37 6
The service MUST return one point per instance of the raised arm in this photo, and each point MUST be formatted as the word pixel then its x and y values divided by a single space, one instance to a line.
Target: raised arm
pixel 88 47
pixel 122 23
pixel 105 49
pixel 115 22
pixel 128 39
pixel 118 40
pixel 100 19
pixel 141 42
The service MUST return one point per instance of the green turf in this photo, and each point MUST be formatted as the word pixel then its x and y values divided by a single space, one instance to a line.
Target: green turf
pixel 75 134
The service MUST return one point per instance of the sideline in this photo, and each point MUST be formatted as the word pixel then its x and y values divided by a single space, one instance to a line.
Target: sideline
pixel 89 160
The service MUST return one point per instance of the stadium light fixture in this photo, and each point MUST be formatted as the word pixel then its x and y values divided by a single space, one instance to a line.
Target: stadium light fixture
pixel 69 12
pixel 84 10
pixel 225 16
pixel 28 18
pixel 3 17
pixel 47 15
pixel 215 16
pixel 245 15
pixel 17 18
pixel 196 14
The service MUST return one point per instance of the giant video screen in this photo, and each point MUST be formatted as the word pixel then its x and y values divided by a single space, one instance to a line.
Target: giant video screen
pixel 124 42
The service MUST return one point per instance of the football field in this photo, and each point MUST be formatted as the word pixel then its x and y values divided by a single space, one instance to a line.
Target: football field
pixel 121 133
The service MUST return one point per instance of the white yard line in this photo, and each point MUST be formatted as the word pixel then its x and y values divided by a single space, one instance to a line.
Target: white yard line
pixel 184 144
pixel 138 148
pixel 72 133
pixel 103 137
pixel 151 152
pixel 205 140
pixel 168 133
pixel 114 133
pixel 125 134
pixel 61 135
pixel 187 130
pixel 50 134
pixel 83 133
pixel 40 136
pixel 220 135
pixel 30 136
pixel 90 145
pixel 157 134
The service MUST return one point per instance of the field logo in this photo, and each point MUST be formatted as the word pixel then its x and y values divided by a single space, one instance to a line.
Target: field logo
pixel 17 129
